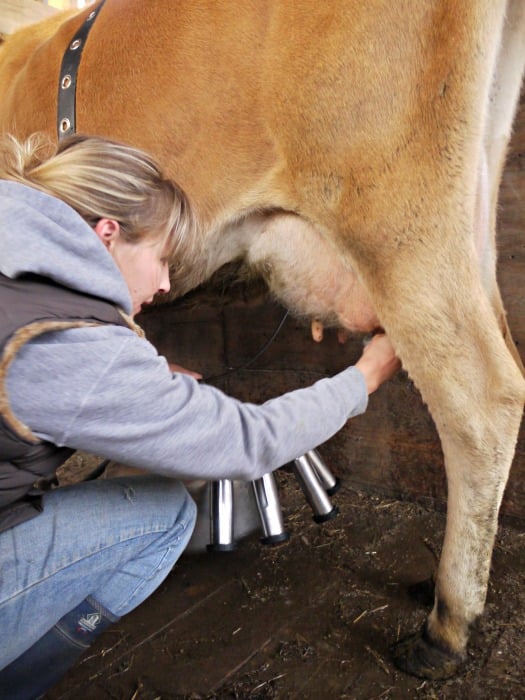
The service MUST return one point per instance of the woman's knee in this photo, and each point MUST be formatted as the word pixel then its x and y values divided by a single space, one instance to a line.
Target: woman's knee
pixel 166 501
pixel 170 514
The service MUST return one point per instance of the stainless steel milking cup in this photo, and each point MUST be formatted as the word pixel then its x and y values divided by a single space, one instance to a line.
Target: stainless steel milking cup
pixel 221 516
pixel 267 499
pixel 314 490
pixel 330 482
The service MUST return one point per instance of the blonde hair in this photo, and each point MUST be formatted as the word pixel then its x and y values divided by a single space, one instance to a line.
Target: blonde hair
pixel 103 179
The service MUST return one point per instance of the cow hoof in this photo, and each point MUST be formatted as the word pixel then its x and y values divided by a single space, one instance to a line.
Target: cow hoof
pixel 419 657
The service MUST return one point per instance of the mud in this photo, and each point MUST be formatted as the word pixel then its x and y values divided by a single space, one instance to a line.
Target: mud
pixel 314 618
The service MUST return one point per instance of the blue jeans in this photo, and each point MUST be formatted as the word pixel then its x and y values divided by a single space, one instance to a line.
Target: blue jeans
pixel 115 540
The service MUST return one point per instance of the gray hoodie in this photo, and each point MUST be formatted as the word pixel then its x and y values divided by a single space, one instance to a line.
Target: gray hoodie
pixel 106 391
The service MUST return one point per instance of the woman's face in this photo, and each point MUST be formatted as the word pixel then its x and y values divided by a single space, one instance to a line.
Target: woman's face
pixel 144 269
pixel 143 265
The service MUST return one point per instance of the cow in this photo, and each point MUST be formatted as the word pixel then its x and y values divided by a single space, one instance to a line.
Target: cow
pixel 350 153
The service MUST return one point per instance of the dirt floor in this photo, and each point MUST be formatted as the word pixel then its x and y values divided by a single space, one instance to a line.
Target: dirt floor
pixel 314 618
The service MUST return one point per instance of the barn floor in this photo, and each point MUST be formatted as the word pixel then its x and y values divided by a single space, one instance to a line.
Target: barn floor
pixel 311 619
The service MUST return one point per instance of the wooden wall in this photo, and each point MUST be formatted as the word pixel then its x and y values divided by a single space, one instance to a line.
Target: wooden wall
pixel 393 449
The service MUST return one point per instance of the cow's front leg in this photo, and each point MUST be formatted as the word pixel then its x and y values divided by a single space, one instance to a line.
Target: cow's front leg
pixel 444 330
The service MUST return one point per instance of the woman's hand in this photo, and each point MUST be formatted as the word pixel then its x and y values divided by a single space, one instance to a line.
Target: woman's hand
pixel 378 362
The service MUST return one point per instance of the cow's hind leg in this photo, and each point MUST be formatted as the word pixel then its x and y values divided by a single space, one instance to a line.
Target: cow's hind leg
pixel 447 335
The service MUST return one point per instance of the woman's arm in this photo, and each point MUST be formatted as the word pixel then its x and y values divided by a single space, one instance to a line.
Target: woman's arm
pixel 106 391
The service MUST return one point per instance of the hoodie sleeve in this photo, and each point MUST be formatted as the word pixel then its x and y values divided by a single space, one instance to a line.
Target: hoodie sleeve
pixel 106 391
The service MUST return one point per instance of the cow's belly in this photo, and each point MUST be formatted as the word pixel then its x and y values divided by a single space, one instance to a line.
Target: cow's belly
pixel 305 271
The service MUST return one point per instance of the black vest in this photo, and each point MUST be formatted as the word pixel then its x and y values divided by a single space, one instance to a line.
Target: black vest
pixel 29 306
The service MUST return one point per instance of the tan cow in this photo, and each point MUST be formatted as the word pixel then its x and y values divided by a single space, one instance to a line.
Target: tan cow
pixel 351 152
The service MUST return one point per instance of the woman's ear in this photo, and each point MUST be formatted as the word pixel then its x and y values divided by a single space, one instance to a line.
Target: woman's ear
pixel 108 230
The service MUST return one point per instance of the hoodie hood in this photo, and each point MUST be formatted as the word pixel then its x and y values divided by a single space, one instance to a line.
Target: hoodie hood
pixel 42 235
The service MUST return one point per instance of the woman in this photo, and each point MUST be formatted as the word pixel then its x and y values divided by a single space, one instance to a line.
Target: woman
pixel 86 235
